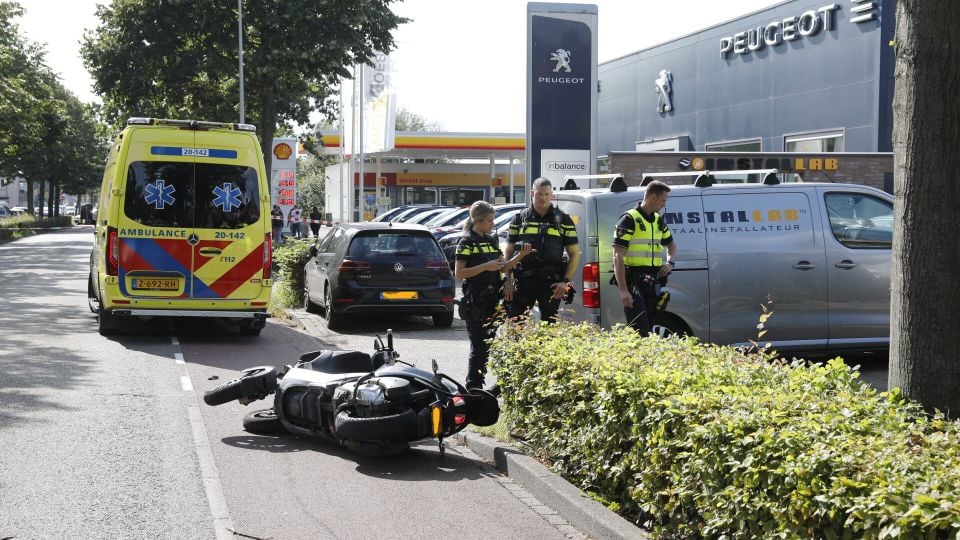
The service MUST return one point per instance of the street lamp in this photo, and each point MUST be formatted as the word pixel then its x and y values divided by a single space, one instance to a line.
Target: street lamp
pixel 240 47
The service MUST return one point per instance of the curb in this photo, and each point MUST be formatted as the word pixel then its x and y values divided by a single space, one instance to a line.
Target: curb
pixel 584 513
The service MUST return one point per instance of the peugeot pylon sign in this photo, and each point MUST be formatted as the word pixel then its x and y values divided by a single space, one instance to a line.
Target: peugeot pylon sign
pixel 561 90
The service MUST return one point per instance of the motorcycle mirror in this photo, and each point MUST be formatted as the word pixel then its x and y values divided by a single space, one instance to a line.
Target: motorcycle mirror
pixel 377 343
pixel 435 366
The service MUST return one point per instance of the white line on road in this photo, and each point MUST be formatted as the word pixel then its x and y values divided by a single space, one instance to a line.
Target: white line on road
pixel 219 511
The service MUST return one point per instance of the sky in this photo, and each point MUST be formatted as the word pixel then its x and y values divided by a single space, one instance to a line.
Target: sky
pixel 459 63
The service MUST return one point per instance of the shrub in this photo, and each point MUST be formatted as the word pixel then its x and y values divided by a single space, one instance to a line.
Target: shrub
pixel 697 440
pixel 24 225
pixel 289 260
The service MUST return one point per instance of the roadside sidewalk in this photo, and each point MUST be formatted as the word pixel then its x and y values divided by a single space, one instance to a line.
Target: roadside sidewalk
pixel 582 512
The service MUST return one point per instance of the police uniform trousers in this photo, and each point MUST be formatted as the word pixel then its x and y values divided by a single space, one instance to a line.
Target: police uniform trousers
pixel 481 328
pixel 645 290
pixel 535 290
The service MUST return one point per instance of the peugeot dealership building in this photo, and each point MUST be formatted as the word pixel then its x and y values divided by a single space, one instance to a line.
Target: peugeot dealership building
pixel 800 76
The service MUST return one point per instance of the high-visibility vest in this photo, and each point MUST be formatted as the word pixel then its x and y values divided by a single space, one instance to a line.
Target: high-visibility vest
pixel 645 245
pixel 546 236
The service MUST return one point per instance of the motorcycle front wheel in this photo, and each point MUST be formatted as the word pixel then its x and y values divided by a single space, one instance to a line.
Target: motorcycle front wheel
pixel 252 382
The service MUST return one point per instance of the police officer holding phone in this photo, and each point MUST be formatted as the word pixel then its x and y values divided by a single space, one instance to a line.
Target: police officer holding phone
pixel 479 263
pixel 541 278
pixel 639 240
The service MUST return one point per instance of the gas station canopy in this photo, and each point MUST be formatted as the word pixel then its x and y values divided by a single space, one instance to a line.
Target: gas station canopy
pixel 436 144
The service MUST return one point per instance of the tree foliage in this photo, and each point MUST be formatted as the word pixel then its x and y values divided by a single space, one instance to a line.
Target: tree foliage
pixel 46 133
pixel 179 58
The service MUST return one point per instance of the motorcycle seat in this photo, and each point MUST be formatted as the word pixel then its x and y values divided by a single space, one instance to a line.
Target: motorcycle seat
pixel 341 362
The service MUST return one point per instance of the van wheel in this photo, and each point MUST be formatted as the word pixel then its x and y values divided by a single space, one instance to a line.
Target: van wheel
pixel 107 323
pixel 92 303
pixel 443 320
pixel 669 325
pixel 251 328
pixel 334 319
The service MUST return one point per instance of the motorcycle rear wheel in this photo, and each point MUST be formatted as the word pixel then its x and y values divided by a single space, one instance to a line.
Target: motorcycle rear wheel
pixel 401 426
pixel 263 422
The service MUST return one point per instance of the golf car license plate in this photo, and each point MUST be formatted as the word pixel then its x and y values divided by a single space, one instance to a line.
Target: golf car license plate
pixel 399 295
pixel 156 284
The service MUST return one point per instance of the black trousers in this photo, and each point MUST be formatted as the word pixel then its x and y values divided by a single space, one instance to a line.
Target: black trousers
pixel 534 290
pixel 640 317
pixel 479 331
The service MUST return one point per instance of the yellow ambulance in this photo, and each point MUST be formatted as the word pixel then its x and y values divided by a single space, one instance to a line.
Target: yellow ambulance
pixel 183 227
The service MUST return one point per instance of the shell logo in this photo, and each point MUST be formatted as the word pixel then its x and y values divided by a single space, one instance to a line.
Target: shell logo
pixel 282 151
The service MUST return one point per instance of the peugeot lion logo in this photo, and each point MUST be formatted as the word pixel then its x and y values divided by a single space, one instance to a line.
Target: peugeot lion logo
pixel 398 268
pixel 562 58
pixel 664 90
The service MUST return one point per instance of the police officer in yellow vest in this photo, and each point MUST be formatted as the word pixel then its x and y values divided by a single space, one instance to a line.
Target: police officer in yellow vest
pixel 638 264
pixel 541 277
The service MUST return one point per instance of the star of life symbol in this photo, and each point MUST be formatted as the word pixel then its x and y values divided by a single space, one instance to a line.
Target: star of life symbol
pixel 159 194
pixel 562 58
pixel 228 196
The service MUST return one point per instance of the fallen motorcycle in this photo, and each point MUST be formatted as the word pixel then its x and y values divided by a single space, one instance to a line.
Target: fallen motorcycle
pixel 375 405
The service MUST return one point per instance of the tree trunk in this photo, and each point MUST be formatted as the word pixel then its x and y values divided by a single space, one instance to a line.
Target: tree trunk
pixel 51 203
pixel 925 288
pixel 268 127
pixel 30 208
pixel 41 199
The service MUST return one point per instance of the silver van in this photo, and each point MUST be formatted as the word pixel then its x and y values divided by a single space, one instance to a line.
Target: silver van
pixel 816 255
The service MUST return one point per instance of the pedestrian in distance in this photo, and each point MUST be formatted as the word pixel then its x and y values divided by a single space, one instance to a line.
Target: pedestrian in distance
pixel 276 222
pixel 479 263
pixel 294 222
pixel 541 278
pixel 639 269
pixel 315 218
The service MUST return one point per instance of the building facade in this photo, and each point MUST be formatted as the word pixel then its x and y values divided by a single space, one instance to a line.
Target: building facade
pixel 799 76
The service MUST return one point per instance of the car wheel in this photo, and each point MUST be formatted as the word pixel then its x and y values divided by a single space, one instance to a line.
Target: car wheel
pixel 443 320
pixel 400 426
pixel 263 422
pixel 308 304
pixel 334 319
pixel 252 382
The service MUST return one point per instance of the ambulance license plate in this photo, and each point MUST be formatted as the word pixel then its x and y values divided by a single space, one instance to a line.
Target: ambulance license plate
pixel 155 284
pixel 399 295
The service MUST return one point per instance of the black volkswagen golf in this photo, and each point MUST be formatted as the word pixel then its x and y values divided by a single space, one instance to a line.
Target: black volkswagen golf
pixel 364 268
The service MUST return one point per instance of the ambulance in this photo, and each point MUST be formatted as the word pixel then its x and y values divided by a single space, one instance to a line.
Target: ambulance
pixel 183 228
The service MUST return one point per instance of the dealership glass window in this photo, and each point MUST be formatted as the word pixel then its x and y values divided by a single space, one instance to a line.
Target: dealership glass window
pixel 859 220
pixel 814 142
pixel 735 146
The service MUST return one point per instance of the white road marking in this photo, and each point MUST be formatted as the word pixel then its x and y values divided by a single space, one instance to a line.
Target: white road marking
pixel 178 358
pixel 175 341
pixel 186 384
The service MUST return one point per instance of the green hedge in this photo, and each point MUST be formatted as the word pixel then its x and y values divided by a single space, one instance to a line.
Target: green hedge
pixel 695 440
pixel 25 225
pixel 289 261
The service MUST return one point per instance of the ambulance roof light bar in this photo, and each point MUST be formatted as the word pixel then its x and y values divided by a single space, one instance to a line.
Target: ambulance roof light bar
pixel 188 124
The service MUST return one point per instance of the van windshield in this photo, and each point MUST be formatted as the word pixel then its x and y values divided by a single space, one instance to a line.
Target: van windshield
pixel 202 195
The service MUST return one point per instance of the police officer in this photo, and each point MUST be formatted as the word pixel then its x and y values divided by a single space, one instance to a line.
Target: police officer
pixel 479 262
pixel 542 277
pixel 638 264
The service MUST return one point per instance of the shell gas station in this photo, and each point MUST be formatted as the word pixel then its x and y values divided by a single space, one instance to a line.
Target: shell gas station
pixel 451 169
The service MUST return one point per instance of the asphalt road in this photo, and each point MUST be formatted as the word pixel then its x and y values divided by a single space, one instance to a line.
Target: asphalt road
pixel 108 438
